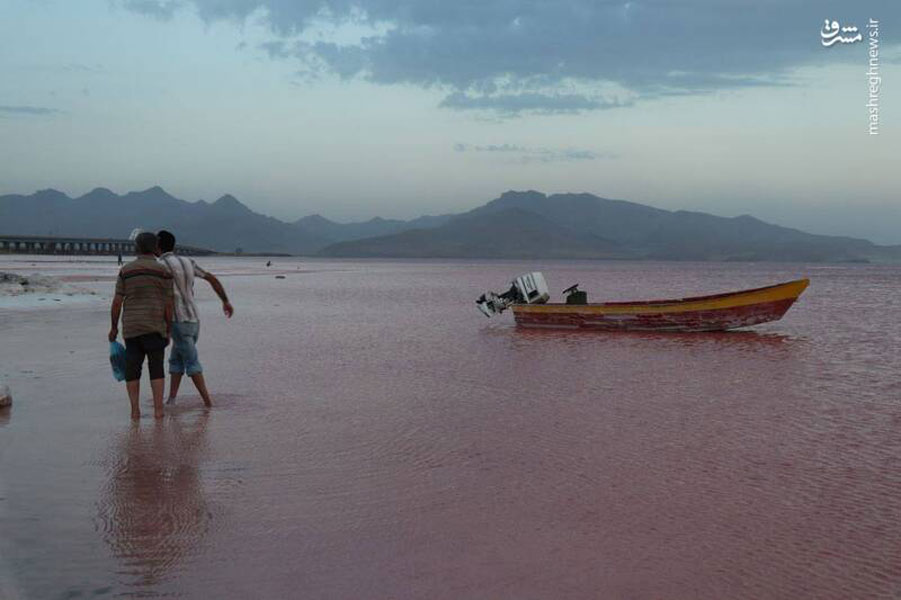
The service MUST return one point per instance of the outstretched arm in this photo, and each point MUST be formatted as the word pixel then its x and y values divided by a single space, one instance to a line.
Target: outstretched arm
pixel 220 291
pixel 115 312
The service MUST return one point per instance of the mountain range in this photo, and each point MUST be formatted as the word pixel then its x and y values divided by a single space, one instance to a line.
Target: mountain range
pixel 526 224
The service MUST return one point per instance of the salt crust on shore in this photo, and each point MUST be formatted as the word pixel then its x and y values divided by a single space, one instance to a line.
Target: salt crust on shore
pixel 31 291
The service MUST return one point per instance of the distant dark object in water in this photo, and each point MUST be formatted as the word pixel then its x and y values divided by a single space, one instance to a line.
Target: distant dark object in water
pixel 279 276
pixel 268 263
pixel 6 396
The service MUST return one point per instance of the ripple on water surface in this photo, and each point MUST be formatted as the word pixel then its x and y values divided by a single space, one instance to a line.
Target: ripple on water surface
pixel 375 437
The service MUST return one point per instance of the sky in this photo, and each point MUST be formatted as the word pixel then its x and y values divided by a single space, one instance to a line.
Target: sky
pixel 399 108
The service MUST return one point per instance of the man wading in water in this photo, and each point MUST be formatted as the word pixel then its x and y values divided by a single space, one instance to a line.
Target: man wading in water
pixel 186 328
pixel 144 300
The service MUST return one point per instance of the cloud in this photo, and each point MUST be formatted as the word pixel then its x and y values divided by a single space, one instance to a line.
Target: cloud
pixel 28 110
pixel 546 56
pixel 82 68
pixel 158 9
pixel 891 55
pixel 78 68
pixel 526 154
pixel 512 104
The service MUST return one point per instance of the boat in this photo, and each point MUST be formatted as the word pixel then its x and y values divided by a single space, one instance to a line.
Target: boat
pixel 528 299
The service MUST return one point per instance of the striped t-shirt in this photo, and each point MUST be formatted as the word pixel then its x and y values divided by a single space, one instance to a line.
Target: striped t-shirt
pixel 146 288
pixel 183 271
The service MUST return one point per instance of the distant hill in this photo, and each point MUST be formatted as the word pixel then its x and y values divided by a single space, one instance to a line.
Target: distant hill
pixel 516 225
pixel 318 225
pixel 509 233
pixel 223 225
pixel 630 231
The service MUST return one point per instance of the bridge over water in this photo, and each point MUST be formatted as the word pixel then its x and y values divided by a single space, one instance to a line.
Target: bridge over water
pixel 35 244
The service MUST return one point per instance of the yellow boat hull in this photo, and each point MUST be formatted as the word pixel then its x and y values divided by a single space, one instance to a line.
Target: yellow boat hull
pixel 703 313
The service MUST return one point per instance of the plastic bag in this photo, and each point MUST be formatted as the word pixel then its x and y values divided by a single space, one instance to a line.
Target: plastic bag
pixel 117 360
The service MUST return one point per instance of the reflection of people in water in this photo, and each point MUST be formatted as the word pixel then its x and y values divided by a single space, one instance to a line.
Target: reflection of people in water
pixel 153 511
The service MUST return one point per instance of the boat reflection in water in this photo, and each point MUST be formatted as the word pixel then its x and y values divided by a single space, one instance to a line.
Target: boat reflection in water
pixel 152 511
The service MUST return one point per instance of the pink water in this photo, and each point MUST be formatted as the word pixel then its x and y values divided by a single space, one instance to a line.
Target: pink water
pixel 375 437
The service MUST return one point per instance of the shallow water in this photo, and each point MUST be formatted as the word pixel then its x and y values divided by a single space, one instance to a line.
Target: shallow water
pixel 374 436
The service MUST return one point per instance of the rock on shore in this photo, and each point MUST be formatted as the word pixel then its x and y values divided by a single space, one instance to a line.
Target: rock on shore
pixel 37 287
pixel 13 284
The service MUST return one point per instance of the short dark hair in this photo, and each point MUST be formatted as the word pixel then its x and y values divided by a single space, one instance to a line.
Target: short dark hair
pixel 167 241
pixel 146 243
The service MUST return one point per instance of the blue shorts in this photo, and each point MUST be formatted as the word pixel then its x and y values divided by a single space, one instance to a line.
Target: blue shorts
pixel 183 355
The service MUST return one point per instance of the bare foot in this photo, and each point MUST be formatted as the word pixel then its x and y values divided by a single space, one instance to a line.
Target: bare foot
pixel 208 402
pixel 135 415
pixel 171 401
pixel 158 414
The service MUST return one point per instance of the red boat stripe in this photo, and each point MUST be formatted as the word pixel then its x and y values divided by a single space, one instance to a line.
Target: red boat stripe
pixel 700 320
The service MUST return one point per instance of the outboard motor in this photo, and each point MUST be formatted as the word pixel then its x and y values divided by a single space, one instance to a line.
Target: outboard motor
pixel 525 289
